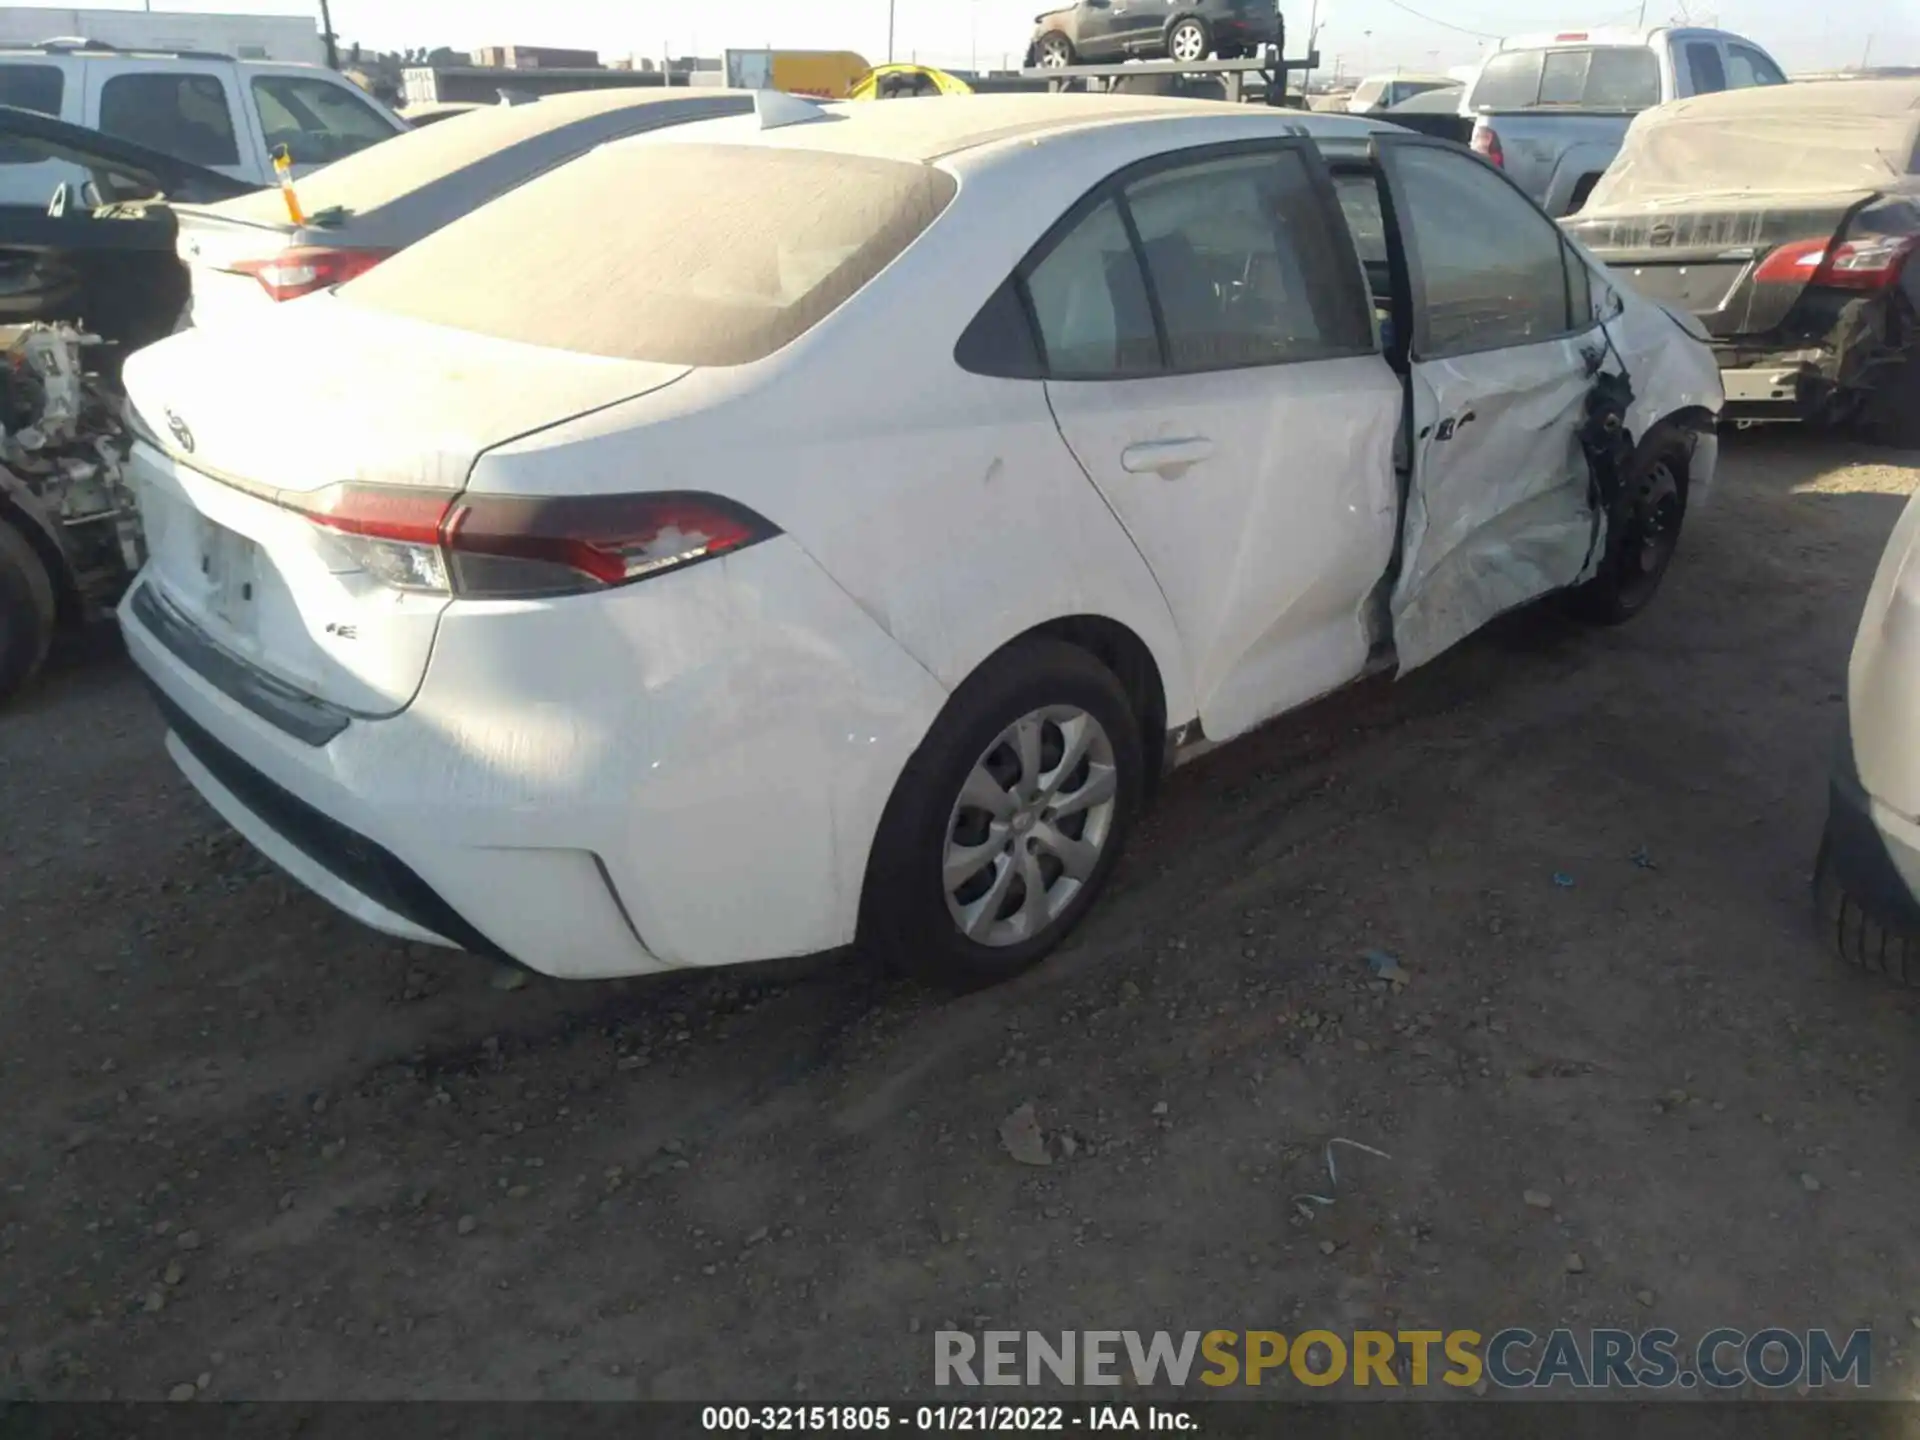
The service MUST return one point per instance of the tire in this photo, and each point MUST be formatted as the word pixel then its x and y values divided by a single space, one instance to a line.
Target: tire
pixel 1855 936
pixel 1642 533
pixel 1890 412
pixel 28 609
pixel 1189 38
pixel 1053 51
pixel 1054 695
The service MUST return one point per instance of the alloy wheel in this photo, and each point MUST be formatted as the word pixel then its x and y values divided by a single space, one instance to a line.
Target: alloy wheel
pixel 1187 42
pixel 1031 823
pixel 1053 52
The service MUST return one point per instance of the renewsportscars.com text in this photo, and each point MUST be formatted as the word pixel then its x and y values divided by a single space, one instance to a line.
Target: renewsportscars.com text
pixel 1511 1359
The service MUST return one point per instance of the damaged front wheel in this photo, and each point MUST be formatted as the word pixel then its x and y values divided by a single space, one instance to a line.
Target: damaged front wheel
pixel 1642 534
pixel 28 609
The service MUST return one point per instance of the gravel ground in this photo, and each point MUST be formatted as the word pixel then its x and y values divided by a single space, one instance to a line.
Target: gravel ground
pixel 251 1150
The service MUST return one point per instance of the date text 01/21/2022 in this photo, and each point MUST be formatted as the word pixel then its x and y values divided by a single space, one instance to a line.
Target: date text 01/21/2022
pixel 935 1419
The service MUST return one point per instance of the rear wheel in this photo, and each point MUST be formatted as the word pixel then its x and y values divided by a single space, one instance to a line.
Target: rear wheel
pixel 28 609
pixel 1007 821
pixel 1189 39
pixel 1054 51
pixel 1642 534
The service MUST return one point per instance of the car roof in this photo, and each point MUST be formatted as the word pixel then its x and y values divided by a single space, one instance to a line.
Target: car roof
pixel 1611 35
pixel 931 127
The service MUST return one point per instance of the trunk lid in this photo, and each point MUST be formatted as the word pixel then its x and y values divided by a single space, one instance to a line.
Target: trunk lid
pixel 245 425
pixel 212 241
pixel 1702 257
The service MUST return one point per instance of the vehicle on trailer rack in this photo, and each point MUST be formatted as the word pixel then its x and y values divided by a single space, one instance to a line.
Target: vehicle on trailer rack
pixel 87 275
pixel 1786 220
pixel 572 609
pixel 1092 32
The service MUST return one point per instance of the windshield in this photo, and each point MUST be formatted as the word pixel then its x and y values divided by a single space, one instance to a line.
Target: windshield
pixel 679 254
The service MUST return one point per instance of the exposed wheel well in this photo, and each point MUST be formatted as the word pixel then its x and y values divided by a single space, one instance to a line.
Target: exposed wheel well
pixel 1582 188
pixel 1127 656
pixel 1687 420
pixel 66 595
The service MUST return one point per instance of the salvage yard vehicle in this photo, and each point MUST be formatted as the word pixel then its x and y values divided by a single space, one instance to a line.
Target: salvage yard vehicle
pixel 567 613
pixel 210 110
pixel 1867 873
pixel 1553 109
pixel 1786 220
pixel 1383 92
pixel 1092 32
pixel 87 275
pixel 249 254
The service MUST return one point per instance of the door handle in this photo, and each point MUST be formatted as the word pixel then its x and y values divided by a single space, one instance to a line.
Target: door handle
pixel 1169 459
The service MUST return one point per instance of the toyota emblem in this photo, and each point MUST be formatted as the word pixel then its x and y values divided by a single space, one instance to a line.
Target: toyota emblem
pixel 180 431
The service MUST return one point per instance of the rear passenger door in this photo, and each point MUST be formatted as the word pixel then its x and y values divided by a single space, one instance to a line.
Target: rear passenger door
pixel 183 108
pixel 1209 356
pixel 1503 348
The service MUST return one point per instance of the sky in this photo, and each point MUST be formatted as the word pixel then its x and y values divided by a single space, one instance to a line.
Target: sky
pixel 1362 35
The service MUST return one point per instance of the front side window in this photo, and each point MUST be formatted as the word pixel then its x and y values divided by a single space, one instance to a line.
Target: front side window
pixel 185 116
pixel 318 121
pixel 1090 302
pixel 1747 66
pixel 1245 264
pixel 1490 268
pixel 1709 75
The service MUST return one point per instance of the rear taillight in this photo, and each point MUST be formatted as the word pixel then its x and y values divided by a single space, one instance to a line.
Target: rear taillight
pixel 307 268
pixel 1486 141
pixel 495 547
pixel 1872 262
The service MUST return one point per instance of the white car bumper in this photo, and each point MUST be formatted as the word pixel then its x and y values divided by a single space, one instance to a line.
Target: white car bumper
pixel 684 772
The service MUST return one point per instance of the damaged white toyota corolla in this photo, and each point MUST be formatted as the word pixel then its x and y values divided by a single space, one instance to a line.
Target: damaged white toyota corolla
pixel 822 525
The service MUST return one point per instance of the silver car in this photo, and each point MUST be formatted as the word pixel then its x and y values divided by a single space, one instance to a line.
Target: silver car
pixel 248 253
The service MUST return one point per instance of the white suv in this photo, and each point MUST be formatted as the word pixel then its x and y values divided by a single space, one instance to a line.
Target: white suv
pixel 228 115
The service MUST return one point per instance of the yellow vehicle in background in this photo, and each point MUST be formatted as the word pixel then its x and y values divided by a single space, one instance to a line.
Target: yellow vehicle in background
pixel 899 82
pixel 820 74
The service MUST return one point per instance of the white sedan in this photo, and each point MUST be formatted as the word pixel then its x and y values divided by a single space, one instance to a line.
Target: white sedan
pixel 824 525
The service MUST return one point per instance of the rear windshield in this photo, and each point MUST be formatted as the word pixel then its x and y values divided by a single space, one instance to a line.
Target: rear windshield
pixel 679 253
pixel 1618 77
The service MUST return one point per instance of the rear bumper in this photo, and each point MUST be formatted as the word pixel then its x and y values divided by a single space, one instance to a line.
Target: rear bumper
pixel 1874 854
pixel 684 772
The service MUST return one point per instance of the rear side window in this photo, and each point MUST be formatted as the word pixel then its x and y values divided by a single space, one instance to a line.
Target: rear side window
pixel 185 116
pixel 319 122
pixel 1746 66
pixel 677 253
pixel 1245 265
pixel 39 88
pixel 1622 79
pixel 1090 302
pixel 1709 75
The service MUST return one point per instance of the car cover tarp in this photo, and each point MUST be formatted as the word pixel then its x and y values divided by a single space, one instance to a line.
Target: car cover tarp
pixel 1836 137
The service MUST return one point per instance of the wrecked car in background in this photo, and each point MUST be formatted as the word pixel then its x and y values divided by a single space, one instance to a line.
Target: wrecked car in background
pixel 86 278
pixel 1785 219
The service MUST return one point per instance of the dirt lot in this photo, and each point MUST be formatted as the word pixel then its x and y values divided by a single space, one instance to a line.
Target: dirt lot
pixel 247 1144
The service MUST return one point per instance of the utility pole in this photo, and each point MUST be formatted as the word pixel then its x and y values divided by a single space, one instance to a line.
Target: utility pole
pixel 890 7
pixel 326 34
pixel 1643 14
pixel 1867 53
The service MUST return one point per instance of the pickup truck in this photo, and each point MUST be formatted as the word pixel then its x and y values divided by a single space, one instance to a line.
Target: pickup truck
pixel 1551 110
pixel 212 111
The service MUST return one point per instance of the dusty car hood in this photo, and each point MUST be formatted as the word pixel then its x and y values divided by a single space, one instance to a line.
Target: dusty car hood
pixel 41 137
